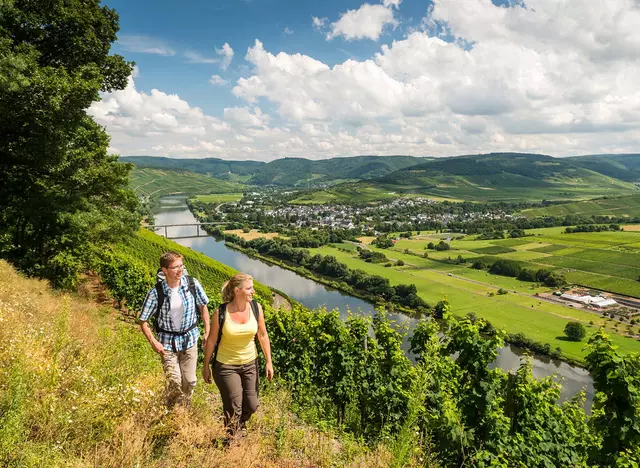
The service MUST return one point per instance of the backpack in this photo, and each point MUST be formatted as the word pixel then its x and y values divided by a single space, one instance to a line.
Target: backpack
pixel 222 315
pixel 161 297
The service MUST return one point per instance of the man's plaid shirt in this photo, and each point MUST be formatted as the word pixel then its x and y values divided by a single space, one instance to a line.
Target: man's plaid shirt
pixel 190 316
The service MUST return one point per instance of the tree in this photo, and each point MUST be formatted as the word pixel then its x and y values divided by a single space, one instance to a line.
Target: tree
pixel 60 192
pixel 575 331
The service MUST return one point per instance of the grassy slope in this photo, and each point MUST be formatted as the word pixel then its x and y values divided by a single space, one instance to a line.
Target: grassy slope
pixel 623 206
pixel 80 387
pixel 158 182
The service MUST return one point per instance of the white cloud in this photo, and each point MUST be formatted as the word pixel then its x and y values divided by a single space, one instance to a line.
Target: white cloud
pixel 287 31
pixel 552 78
pixel 319 23
pixel 195 57
pixel 227 55
pixel 367 22
pixel 391 3
pixel 145 44
pixel 217 80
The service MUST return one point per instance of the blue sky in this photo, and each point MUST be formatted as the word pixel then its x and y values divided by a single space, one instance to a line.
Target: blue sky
pixel 202 26
pixel 264 79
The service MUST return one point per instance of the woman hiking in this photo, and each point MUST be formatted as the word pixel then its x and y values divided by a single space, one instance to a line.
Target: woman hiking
pixel 231 343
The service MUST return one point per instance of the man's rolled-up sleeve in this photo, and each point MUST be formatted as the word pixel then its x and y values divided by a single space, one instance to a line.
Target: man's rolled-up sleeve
pixel 201 296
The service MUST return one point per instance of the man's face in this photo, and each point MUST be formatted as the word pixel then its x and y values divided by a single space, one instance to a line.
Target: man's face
pixel 174 271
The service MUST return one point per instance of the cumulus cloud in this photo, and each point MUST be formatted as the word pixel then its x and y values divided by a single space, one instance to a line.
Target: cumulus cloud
pixel 227 55
pixel 145 44
pixel 217 80
pixel 367 22
pixel 543 77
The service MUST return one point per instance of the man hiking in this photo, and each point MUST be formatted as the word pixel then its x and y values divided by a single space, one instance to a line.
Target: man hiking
pixel 174 303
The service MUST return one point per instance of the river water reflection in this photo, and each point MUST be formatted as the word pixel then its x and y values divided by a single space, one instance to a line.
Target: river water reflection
pixel 173 210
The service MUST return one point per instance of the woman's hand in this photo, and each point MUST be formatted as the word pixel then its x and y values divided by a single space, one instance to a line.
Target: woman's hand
pixel 206 373
pixel 269 371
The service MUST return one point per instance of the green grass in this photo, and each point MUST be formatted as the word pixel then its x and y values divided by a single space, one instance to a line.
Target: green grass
pixel 158 182
pixel 493 250
pixel 622 206
pixel 467 291
pixel 220 197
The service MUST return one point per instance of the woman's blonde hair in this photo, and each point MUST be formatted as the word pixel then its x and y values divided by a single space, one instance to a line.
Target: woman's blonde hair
pixel 229 288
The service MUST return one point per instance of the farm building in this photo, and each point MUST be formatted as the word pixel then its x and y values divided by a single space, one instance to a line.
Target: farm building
pixel 597 301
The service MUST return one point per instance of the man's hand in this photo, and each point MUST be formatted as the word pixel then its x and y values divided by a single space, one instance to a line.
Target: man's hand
pixel 158 347
pixel 205 337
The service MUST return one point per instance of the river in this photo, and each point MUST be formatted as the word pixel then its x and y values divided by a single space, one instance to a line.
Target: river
pixel 173 210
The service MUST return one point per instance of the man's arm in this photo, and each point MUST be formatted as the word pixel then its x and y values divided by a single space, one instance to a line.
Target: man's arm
pixel 155 344
pixel 204 313
pixel 149 308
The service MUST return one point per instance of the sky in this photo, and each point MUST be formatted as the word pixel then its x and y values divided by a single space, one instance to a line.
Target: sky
pixel 267 79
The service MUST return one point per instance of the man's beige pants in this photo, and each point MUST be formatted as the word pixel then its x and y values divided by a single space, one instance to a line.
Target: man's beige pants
pixel 180 371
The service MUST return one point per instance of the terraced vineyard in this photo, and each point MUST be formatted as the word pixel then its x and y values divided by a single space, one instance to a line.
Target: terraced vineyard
pixel 157 183
pixel 622 206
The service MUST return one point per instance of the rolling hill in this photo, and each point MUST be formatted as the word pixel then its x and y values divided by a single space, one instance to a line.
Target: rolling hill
pixel 498 177
pixel 621 166
pixel 156 183
pixel 286 172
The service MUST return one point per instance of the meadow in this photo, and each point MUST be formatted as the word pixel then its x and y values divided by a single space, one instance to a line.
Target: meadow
pixel 608 261
pixel 219 197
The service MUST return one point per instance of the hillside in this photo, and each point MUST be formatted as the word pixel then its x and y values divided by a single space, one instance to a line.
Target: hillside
pixel 220 168
pixel 156 183
pixel 621 166
pixel 610 206
pixel 80 387
pixel 283 172
pixel 500 176
pixel 301 172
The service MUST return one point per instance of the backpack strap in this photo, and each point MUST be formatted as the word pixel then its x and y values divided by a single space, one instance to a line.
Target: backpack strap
pixel 255 309
pixel 222 315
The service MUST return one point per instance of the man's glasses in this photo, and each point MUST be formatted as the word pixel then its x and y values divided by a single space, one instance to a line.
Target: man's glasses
pixel 176 267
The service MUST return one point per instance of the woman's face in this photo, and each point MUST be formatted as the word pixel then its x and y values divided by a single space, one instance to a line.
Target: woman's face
pixel 246 292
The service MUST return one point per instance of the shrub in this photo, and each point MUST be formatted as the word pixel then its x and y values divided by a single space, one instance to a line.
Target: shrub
pixel 399 263
pixel 575 331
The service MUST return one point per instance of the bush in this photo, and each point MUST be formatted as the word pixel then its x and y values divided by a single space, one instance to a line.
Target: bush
pixel 399 263
pixel 502 292
pixel 575 331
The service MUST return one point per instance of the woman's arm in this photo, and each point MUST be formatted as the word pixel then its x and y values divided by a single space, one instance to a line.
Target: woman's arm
pixel 263 338
pixel 210 345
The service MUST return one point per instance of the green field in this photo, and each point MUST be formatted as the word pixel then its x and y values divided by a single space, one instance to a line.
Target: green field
pixel 156 183
pixel 622 206
pixel 468 291
pixel 219 197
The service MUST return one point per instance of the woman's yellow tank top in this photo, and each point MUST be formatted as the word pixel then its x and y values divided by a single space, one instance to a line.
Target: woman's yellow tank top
pixel 237 345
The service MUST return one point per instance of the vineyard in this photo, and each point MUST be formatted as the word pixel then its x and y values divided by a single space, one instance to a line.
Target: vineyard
pixel 156 183
pixel 622 206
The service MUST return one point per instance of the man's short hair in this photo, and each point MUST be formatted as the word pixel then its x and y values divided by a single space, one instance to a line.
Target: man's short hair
pixel 168 258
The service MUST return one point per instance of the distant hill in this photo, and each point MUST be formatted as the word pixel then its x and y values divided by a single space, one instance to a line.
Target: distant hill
pixel 286 172
pixel 621 166
pixel 238 171
pixel 301 172
pixel 610 206
pixel 500 176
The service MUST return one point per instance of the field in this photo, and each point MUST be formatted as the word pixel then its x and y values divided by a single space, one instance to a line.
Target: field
pixel 623 206
pixel 253 234
pixel 606 261
pixel 470 290
pixel 219 197
pixel 156 183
